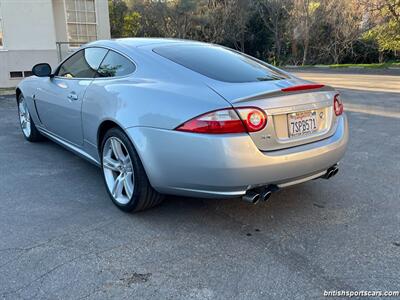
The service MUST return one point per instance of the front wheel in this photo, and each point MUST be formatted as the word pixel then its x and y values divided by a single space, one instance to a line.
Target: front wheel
pixel 27 126
pixel 124 175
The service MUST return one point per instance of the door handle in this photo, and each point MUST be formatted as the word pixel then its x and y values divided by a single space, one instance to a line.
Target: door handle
pixel 72 97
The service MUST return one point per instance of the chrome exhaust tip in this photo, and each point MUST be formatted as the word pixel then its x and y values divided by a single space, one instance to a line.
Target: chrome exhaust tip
pixel 262 193
pixel 266 195
pixel 251 197
pixel 332 171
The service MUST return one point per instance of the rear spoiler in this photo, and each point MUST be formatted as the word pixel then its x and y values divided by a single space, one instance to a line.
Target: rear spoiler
pixel 297 89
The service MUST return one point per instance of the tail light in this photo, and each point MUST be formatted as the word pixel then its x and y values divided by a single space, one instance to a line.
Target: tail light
pixel 337 105
pixel 246 119
pixel 253 118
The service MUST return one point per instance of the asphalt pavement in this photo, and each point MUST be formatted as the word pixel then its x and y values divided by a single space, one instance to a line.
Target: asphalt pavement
pixel 62 238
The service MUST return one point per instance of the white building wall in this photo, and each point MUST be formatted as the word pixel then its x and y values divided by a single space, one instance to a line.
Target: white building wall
pixel 28 24
pixel 28 37
pixel 60 20
pixel 103 20
pixel 22 60
pixel 31 29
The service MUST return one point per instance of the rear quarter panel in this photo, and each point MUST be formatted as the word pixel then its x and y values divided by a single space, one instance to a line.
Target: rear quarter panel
pixel 158 94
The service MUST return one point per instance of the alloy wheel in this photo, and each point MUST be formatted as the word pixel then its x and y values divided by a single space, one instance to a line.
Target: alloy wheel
pixel 118 170
pixel 24 117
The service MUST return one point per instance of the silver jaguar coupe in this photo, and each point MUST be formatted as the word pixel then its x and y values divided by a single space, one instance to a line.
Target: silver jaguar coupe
pixel 165 116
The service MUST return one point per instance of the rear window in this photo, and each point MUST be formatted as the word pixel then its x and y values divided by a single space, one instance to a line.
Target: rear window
pixel 114 65
pixel 219 63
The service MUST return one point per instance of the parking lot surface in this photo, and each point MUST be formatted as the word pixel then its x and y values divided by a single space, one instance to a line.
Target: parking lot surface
pixel 62 238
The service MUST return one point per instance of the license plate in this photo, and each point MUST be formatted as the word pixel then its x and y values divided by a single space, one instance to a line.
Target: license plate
pixel 302 123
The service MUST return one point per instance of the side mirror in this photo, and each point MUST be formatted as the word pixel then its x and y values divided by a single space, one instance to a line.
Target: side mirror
pixel 42 70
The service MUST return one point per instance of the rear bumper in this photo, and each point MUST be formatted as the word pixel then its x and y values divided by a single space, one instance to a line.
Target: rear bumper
pixel 226 166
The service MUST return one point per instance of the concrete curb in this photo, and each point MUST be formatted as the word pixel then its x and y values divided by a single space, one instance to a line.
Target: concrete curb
pixel 337 68
pixel 7 92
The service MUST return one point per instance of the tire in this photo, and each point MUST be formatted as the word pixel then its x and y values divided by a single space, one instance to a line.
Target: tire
pixel 28 127
pixel 123 173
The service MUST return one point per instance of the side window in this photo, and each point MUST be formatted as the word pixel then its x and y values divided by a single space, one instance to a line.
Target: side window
pixel 115 65
pixel 83 64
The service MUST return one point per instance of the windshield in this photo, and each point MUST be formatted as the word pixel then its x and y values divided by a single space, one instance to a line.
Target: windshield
pixel 219 63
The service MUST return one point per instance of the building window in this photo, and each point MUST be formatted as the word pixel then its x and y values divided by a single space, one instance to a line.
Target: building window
pixel 28 73
pixel 81 21
pixel 16 74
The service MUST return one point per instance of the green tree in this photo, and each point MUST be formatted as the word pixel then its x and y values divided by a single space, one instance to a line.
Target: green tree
pixel 302 22
pixel 386 30
pixel 280 31
pixel 117 11
pixel 274 14
pixel 131 25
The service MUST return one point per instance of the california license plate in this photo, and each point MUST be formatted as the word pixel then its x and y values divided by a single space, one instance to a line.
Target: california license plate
pixel 302 123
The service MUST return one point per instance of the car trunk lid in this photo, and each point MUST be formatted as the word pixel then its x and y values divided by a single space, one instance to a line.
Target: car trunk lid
pixel 299 112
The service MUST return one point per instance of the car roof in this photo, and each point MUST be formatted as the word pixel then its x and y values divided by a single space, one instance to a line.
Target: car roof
pixel 141 42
